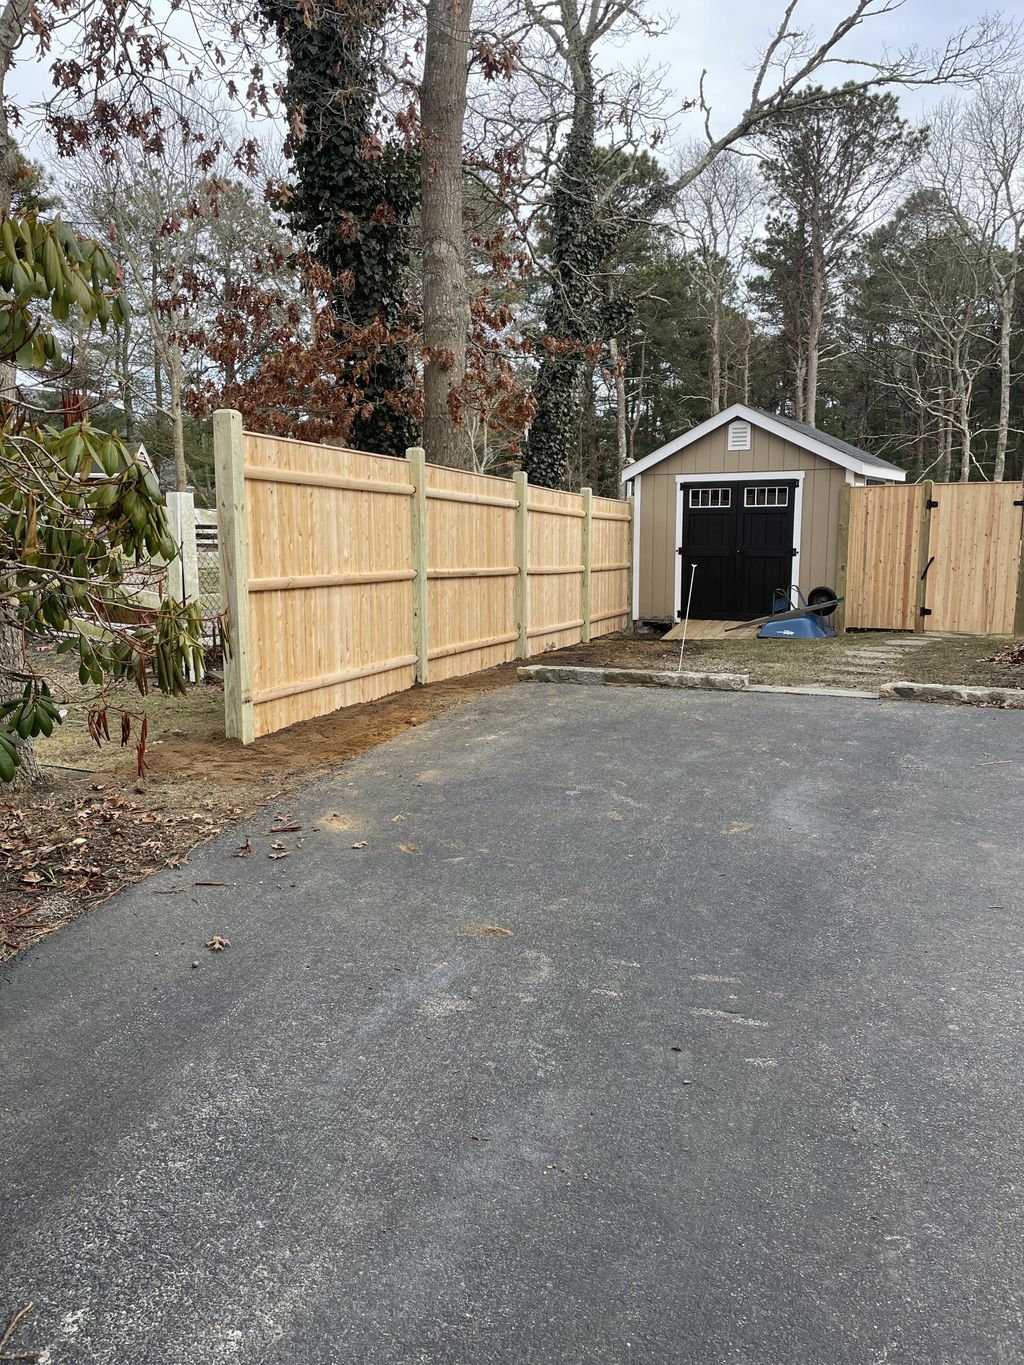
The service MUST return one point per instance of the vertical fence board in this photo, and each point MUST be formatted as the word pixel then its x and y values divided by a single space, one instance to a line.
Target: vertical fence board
pixel 952 566
pixel 882 557
pixel 471 571
pixel 350 573
pixel 975 537
pixel 555 569
pixel 586 555
pixel 611 567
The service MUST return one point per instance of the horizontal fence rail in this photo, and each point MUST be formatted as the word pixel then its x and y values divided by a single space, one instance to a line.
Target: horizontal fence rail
pixel 933 557
pixel 346 576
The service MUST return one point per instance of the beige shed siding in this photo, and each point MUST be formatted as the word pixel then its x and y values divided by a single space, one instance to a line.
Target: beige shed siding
pixel 768 454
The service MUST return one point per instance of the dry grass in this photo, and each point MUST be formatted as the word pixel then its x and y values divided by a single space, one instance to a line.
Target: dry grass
pixel 839 662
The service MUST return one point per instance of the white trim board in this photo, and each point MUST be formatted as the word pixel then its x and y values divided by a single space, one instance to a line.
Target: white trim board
pixel 772 476
pixel 636 552
pixel 776 428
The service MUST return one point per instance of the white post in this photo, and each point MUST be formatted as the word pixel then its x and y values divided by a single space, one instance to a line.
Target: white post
pixel 183 570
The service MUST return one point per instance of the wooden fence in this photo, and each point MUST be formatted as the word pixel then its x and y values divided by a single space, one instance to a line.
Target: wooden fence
pixel 933 556
pixel 346 576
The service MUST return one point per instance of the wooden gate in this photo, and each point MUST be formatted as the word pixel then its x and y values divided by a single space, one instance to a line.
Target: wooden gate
pixel 933 556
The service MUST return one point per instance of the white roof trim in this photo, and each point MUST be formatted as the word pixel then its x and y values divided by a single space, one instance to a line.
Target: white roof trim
pixel 759 419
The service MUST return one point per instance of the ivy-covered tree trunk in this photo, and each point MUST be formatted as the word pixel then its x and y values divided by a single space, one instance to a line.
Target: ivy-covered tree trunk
pixel 354 197
pixel 572 316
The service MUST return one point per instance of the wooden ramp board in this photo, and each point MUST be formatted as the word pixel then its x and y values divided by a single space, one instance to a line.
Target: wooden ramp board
pixel 713 630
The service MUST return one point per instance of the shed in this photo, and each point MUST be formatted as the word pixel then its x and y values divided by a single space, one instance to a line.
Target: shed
pixel 751 498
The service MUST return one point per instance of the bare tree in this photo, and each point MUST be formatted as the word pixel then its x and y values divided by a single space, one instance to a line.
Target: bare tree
pixel 715 217
pixel 938 316
pixel 977 161
pixel 779 90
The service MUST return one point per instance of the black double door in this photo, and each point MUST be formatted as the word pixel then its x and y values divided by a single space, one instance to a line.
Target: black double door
pixel 740 536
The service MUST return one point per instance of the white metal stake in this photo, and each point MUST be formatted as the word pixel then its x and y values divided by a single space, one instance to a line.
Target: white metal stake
pixel 686 619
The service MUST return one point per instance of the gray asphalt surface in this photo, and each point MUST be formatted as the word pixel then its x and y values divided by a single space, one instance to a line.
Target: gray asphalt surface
pixel 744 1084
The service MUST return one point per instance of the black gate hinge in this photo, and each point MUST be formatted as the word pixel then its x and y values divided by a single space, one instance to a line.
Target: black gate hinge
pixel 1018 502
pixel 925 611
pixel 932 502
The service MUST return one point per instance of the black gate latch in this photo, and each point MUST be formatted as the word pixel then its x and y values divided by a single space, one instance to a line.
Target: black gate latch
pixel 932 502
pixel 925 611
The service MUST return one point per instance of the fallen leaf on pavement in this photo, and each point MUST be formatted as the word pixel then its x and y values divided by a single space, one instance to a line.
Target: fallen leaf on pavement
pixel 360 844
pixel 217 944
pixel 408 848
pixel 243 850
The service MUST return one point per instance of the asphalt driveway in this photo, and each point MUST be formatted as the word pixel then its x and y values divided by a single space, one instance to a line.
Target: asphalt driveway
pixel 743 1084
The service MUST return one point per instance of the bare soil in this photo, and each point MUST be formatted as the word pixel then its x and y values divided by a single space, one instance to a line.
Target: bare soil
pixel 94 826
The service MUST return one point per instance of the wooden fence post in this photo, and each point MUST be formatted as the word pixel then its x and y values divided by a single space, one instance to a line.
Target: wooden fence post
pixel 923 556
pixel 229 463
pixel 842 557
pixel 587 499
pixel 522 556
pixel 1018 614
pixel 417 458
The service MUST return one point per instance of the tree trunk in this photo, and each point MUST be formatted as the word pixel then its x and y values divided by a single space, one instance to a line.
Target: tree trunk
pixel 799 389
pixel 618 367
pixel 124 382
pixel 1006 302
pixel 748 337
pixel 572 313
pixel 964 424
pixel 158 383
pixel 174 380
pixel 715 366
pixel 445 294
pixel 815 316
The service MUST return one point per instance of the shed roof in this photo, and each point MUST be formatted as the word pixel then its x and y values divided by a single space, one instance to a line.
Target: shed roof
pixel 799 433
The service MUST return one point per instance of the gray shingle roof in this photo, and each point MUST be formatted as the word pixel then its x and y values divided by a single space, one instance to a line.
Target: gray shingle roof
pixel 843 447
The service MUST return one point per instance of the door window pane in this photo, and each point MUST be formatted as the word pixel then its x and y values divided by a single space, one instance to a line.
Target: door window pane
pixel 766 497
pixel 710 497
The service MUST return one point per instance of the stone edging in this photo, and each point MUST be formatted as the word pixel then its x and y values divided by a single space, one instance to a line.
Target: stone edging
pixel 643 677
pixel 1010 697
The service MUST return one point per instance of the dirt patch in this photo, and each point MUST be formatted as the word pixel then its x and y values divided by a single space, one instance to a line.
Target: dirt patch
pixel 92 827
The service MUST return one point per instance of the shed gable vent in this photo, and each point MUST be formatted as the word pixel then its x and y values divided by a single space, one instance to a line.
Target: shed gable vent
pixel 739 435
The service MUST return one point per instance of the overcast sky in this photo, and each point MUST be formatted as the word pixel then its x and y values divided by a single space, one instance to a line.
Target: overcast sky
pixel 724 36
